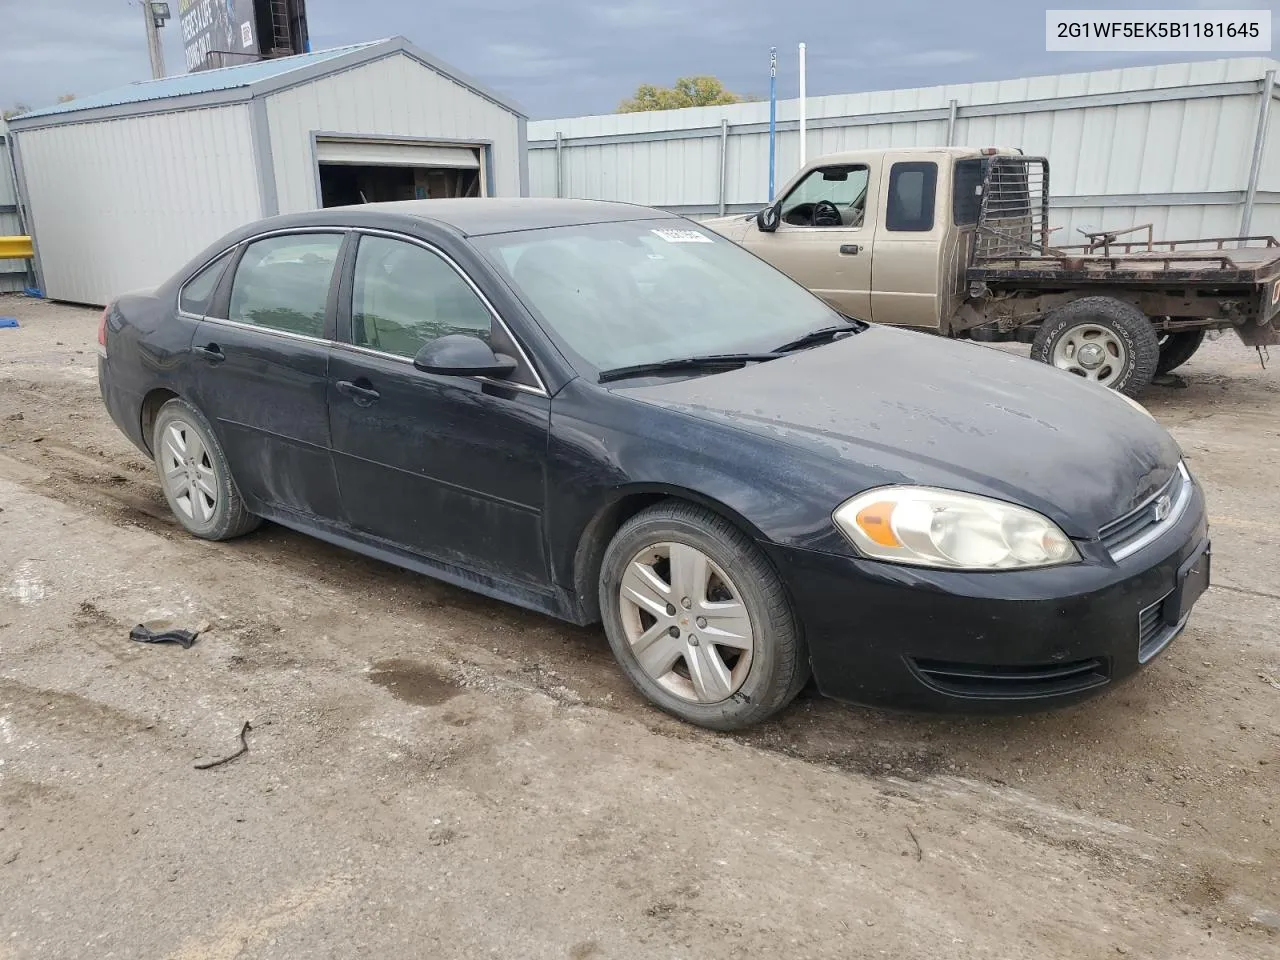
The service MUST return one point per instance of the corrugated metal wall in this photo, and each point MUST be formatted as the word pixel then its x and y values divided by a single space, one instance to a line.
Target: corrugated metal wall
pixel 119 204
pixel 396 95
pixel 12 272
pixel 1168 145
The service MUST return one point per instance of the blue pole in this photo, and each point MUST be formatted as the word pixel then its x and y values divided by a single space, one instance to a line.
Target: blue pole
pixel 773 115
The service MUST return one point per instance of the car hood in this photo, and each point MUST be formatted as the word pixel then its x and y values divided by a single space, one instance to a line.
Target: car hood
pixel 734 228
pixel 892 406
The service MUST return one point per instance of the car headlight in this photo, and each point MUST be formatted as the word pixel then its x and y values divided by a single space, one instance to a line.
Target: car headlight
pixel 928 527
pixel 1133 403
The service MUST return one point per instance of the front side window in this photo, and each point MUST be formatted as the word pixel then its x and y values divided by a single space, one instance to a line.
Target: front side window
pixel 282 283
pixel 198 291
pixel 912 187
pixel 828 197
pixel 405 296
pixel 640 291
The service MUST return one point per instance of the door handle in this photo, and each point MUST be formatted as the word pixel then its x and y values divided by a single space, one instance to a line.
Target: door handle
pixel 849 249
pixel 361 395
pixel 211 352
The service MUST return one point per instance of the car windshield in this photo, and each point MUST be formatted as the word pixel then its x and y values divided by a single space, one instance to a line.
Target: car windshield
pixel 641 291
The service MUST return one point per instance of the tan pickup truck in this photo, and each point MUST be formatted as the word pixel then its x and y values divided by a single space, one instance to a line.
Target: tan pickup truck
pixel 955 241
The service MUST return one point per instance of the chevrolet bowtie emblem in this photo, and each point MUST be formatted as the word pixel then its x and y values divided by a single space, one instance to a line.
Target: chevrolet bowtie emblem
pixel 1164 505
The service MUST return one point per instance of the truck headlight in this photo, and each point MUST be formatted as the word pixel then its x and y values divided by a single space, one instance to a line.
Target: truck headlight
pixel 928 527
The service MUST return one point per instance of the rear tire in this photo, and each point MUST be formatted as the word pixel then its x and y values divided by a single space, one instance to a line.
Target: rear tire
pixel 699 620
pixel 195 475
pixel 1177 348
pixel 1100 339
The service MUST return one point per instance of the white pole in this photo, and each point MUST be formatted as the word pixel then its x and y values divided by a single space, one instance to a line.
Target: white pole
pixel 804 110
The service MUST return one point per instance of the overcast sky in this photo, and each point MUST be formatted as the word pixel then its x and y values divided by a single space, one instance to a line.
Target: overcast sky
pixel 569 57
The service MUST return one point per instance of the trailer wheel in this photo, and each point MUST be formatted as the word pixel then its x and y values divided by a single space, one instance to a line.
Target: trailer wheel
pixel 1100 339
pixel 1177 348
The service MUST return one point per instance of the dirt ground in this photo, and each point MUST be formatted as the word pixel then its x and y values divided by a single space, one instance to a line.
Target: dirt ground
pixel 432 774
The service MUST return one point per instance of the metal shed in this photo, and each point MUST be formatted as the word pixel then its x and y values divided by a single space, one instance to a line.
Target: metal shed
pixel 122 188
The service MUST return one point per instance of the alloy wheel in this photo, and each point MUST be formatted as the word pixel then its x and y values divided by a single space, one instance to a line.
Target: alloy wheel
pixel 686 623
pixel 188 472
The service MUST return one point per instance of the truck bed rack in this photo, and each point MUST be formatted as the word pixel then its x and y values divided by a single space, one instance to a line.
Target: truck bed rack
pixel 1011 244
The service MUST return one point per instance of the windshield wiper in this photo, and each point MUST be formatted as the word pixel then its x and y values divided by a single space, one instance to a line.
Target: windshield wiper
pixel 815 337
pixel 708 362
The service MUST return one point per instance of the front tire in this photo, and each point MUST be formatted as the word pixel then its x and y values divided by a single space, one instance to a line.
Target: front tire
pixel 195 476
pixel 1101 339
pixel 699 620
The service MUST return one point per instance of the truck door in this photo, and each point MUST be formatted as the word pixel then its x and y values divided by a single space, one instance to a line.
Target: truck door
pixel 825 237
pixel 907 274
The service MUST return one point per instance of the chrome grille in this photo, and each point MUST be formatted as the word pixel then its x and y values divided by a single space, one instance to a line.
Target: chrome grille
pixel 1128 534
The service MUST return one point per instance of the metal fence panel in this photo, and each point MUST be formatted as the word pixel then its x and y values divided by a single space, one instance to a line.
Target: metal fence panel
pixel 1170 145
pixel 13 273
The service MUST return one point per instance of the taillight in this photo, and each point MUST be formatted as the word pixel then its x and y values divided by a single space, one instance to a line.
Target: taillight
pixel 102 332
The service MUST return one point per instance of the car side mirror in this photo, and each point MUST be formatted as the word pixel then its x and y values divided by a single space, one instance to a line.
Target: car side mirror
pixel 767 219
pixel 460 355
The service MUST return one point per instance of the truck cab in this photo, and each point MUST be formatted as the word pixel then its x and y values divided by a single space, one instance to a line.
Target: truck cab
pixel 955 241
pixel 883 235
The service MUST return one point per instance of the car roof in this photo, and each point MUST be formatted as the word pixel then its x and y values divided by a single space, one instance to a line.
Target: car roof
pixel 481 216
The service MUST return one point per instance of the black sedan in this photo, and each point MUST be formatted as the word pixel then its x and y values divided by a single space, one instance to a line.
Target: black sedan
pixel 605 413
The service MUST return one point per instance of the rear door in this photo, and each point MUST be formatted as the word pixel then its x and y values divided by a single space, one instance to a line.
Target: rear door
pixel 908 271
pixel 261 356
pixel 826 235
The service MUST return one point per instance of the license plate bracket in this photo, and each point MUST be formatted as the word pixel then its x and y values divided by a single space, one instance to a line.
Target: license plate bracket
pixel 1193 580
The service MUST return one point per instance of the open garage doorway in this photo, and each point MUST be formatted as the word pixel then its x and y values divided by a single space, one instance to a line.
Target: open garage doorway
pixel 353 171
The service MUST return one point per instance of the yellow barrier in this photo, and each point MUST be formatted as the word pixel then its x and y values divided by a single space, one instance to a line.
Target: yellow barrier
pixel 16 248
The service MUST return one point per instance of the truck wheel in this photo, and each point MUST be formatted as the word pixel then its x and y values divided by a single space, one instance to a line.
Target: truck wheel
pixel 1100 339
pixel 1177 348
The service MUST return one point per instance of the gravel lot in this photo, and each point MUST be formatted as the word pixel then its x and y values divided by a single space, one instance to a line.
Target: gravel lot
pixel 432 774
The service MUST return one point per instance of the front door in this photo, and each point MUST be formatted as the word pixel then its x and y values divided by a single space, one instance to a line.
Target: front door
pixel 451 468
pixel 261 355
pixel 826 234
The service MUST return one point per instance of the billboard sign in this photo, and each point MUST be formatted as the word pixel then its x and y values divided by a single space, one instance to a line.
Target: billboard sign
pixel 217 33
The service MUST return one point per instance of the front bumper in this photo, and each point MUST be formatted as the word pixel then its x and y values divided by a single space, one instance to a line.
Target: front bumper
pixel 1003 641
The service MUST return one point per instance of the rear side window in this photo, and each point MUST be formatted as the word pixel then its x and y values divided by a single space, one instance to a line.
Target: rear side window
pixel 966 191
pixel 912 187
pixel 282 283
pixel 198 291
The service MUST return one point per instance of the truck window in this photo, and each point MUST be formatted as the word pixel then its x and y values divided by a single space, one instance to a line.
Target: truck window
pixel 966 191
pixel 912 187
pixel 844 186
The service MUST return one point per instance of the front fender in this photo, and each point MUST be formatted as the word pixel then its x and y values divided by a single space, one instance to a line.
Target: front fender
pixel 610 455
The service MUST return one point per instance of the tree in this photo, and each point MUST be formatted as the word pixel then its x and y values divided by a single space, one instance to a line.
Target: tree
pixel 66 98
pixel 685 92
pixel 16 110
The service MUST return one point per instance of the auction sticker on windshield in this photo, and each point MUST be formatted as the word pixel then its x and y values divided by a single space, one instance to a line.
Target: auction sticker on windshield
pixel 683 236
